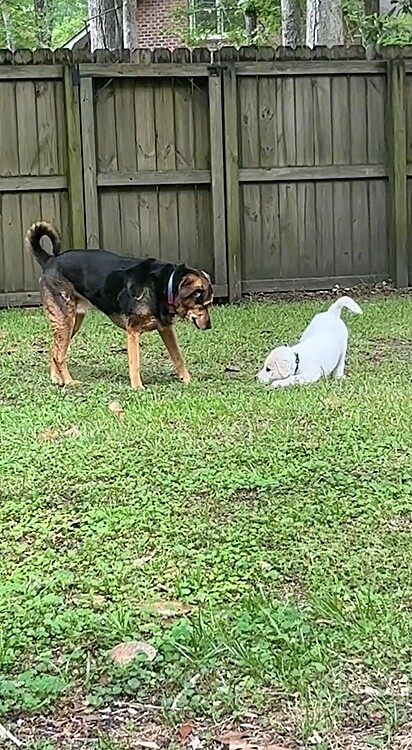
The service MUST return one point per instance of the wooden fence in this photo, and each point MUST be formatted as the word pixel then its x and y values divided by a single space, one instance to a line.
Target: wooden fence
pixel 270 169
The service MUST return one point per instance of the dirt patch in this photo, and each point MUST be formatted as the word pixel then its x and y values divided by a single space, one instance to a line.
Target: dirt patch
pixel 388 350
pixel 131 725
pixel 361 292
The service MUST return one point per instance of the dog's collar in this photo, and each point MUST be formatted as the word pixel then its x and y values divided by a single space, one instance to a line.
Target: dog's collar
pixel 170 296
pixel 297 362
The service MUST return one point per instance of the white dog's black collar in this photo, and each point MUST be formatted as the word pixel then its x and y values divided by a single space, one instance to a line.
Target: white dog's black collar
pixel 297 361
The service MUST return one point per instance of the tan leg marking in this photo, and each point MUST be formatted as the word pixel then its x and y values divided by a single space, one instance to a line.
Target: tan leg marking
pixel 62 323
pixel 133 352
pixel 170 341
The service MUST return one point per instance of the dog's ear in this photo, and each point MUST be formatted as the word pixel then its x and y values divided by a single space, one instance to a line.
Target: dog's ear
pixel 284 368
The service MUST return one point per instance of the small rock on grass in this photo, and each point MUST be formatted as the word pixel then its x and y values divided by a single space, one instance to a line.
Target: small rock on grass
pixel 124 653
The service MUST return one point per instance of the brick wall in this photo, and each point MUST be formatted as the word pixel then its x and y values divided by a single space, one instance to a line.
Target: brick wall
pixel 153 22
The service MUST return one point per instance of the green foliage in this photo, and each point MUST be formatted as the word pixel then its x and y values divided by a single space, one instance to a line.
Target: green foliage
pixel 19 26
pixel 389 29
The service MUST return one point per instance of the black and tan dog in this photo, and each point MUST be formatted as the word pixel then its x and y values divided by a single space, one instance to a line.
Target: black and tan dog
pixel 137 295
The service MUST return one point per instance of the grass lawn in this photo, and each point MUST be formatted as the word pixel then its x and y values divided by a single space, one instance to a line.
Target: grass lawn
pixel 281 520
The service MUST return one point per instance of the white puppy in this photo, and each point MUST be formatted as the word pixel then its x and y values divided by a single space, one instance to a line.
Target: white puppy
pixel 320 352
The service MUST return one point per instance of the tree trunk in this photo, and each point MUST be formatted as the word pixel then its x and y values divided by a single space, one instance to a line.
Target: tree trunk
pixel 43 25
pixel 7 28
pixel 291 23
pixel 250 25
pixel 106 26
pixel 130 35
pixel 324 24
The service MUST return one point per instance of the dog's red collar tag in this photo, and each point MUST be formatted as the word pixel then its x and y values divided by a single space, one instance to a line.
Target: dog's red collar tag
pixel 170 296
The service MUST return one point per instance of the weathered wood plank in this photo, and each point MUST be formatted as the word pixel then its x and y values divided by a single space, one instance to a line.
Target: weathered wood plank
pixel 31 211
pixel 322 121
pixel 148 200
pixel 358 120
pixel 270 255
pixel 249 157
pixel 205 231
pixel 304 124
pixel 398 212
pixel 268 146
pixel 378 222
pixel 360 228
pixel 105 120
pixel 341 133
pixel 154 178
pixel 218 179
pixel 125 131
pixel 20 299
pixel 12 236
pixel 125 136
pixel 91 209
pixel 29 72
pixel 61 133
pixel 26 128
pixel 342 220
pixel 325 265
pixel 408 110
pixel 300 174
pixel 232 183
pixel 252 224
pixel 306 228
pixel 129 223
pixel 288 223
pixel 185 158
pixel 32 183
pixel 143 70
pixel 166 160
pixel 74 160
pixel 375 94
pixel 2 252
pixel 201 124
pixel 110 234
pixel 9 155
pixel 310 68
pixel 47 127
pixel 248 124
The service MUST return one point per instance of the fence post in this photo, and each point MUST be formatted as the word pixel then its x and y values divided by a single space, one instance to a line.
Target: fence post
pixel 218 182
pixel 398 204
pixel 74 155
pixel 89 163
pixel 232 179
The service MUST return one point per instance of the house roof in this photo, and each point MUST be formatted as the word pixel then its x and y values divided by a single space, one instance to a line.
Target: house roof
pixel 79 40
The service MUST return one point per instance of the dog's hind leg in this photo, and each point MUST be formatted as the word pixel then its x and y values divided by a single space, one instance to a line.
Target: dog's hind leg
pixel 61 316
pixel 339 371
pixel 170 341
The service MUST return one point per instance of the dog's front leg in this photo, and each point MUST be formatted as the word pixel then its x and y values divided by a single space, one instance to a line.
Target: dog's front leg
pixel 133 353
pixel 293 380
pixel 170 341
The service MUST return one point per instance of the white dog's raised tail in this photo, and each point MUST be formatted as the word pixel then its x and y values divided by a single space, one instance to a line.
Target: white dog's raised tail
pixel 347 302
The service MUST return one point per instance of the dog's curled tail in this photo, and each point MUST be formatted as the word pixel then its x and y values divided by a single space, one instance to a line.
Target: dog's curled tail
pixel 347 302
pixel 34 235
